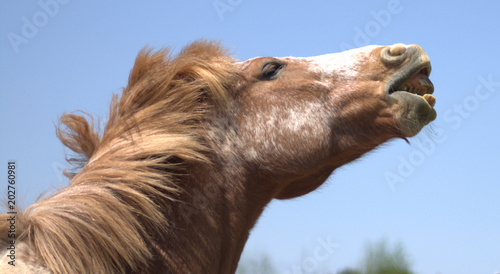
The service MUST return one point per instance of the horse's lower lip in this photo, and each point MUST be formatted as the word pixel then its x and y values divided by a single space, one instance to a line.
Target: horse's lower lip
pixel 412 112
pixel 430 99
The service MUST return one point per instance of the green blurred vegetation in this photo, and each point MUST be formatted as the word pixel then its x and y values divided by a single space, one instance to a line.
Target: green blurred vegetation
pixel 261 264
pixel 379 258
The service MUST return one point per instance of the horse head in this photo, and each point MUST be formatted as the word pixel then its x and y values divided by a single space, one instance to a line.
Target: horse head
pixel 304 117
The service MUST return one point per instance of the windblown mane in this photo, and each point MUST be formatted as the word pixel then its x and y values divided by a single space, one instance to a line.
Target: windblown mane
pixel 129 175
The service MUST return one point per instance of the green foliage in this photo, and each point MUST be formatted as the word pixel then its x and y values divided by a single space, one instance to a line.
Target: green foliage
pixel 381 259
pixel 262 265
pixel 350 271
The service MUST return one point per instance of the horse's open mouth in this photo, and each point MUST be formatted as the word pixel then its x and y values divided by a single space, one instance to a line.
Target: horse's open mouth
pixel 419 84
pixel 409 92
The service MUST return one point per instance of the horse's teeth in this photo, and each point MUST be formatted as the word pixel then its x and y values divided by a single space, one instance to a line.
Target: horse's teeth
pixel 412 89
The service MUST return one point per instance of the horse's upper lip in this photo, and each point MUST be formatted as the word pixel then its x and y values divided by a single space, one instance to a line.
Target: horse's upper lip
pixel 413 70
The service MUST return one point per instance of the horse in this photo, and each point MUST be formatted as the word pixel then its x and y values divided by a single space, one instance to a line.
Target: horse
pixel 199 143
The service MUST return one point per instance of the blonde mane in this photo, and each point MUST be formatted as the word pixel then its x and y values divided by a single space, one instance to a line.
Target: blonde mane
pixel 129 175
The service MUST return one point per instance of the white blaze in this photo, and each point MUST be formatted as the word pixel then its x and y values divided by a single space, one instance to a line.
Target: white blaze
pixel 343 64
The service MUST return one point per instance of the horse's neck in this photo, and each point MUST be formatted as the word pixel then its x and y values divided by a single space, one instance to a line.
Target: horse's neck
pixel 214 216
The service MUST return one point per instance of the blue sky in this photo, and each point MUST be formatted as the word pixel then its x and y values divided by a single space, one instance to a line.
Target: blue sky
pixel 438 196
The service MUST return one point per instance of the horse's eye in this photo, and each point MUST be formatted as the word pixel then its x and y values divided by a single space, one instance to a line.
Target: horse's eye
pixel 270 70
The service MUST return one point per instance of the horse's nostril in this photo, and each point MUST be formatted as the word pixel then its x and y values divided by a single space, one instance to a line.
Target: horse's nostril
pixel 397 50
pixel 395 54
